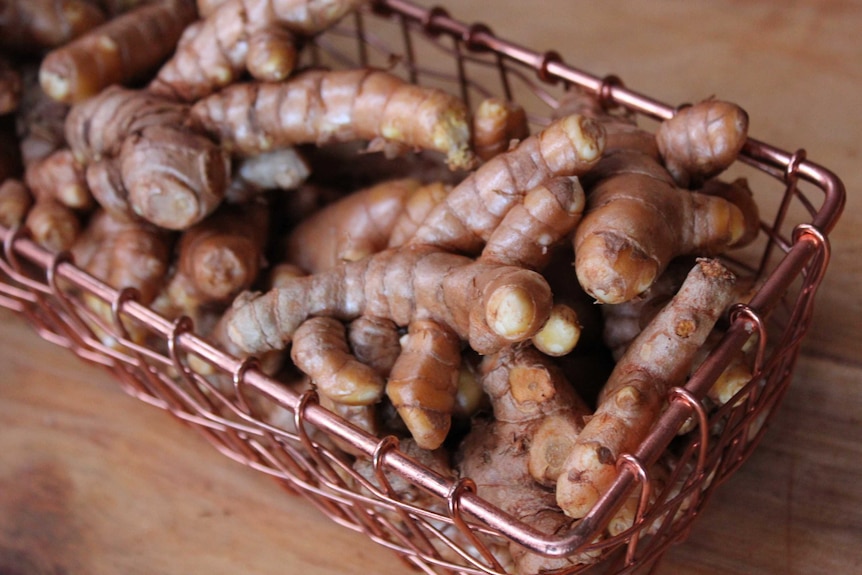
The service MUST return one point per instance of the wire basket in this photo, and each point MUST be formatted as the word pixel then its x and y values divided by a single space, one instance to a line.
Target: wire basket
pixel 800 201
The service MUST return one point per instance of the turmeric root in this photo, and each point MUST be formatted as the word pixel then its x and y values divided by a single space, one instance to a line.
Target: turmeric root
pixel 361 224
pixel 240 35
pixel 637 219
pixel 124 253
pixel 163 172
pixel 702 140
pixel 15 202
pixel 471 212
pixel 530 230
pixel 120 51
pixel 375 341
pixel 497 124
pixel 336 106
pixel 320 350
pixel 659 358
pixel 424 381
pixel 216 259
pixel 502 455
pixel 282 169
pixel 53 225
pixel 61 177
pixel 32 25
pixel 489 305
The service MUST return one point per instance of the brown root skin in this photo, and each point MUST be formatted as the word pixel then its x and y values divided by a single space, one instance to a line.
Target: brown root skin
pixel 320 350
pixel 112 53
pixel 471 212
pixel 32 25
pixel 151 165
pixel 403 284
pixel 52 225
pixel 423 382
pixel 15 202
pixel 321 106
pixel 497 124
pixel 530 230
pixel 526 391
pixel 658 359
pixel 702 140
pixel 360 224
pixel 60 176
pixel 240 35
pixel 375 341
pixel 740 195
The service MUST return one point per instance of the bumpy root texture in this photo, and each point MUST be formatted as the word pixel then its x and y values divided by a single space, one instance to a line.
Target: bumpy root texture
pixel 146 162
pixel 215 260
pixel 471 212
pixel 337 106
pixel 15 202
pixel 636 219
pixel 489 305
pixel 360 224
pixel 497 125
pixel 62 177
pixel 122 50
pixel 702 140
pixel 375 341
pixel 504 456
pixel 529 230
pixel 321 351
pixel 658 359
pixel 240 35
pixel 53 225
pixel 423 382
pixel 31 25
pixel 740 195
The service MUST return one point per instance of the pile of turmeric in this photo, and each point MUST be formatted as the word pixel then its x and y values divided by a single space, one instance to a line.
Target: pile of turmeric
pixel 429 268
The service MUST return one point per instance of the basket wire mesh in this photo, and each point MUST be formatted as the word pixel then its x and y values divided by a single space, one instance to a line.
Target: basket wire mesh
pixel 459 531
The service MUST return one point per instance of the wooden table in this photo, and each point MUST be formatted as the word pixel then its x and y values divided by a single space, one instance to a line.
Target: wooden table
pixel 92 481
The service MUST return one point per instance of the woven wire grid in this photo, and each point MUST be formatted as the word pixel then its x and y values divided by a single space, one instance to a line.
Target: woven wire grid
pixel 312 452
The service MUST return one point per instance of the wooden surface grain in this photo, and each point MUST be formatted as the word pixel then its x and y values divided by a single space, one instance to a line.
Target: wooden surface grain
pixel 95 482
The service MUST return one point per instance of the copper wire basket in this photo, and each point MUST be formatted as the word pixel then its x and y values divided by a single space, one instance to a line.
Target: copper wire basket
pixel 800 203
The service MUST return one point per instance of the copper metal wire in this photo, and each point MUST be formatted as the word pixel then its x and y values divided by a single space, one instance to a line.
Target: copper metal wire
pixel 48 291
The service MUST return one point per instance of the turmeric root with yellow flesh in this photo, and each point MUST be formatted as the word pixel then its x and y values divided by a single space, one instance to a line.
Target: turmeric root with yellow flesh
pixel 702 140
pixel 658 359
pixel 32 25
pixel 497 124
pixel 489 305
pixel 470 213
pixel 282 169
pixel 637 220
pixel 240 35
pixel 122 50
pixel 423 382
pixel 320 107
